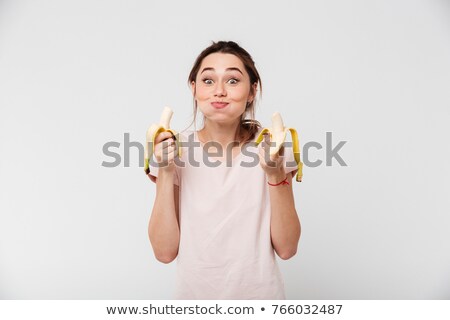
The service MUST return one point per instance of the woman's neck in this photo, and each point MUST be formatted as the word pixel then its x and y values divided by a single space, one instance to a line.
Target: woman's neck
pixel 224 134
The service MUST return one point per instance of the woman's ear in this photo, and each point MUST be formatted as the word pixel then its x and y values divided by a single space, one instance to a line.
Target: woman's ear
pixel 193 87
pixel 253 91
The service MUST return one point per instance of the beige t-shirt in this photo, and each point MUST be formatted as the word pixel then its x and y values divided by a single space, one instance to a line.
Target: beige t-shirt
pixel 225 249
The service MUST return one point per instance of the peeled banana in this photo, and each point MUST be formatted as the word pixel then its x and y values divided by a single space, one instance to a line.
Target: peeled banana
pixel 152 133
pixel 278 136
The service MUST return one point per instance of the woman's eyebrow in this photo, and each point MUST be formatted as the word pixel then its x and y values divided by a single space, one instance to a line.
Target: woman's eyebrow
pixel 227 69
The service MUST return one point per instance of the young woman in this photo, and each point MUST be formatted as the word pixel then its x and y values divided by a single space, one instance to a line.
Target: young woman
pixel 216 209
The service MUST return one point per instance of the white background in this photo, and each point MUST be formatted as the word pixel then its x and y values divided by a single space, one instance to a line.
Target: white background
pixel 77 74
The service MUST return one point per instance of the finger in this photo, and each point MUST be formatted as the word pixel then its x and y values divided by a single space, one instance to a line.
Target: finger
pixel 267 138
pixel 162 147
pixel 274 158
pixel 262 151
pixel 266 141
pixel 163 136
pixel 167 154
pixel 281 152
pixel 265 158
pixel 167 143
pixel 168 148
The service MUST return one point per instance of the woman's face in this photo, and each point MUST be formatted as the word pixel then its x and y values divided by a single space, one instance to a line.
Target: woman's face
pixel 222 87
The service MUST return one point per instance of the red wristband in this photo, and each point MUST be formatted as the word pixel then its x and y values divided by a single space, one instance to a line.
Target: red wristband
pixel 280 183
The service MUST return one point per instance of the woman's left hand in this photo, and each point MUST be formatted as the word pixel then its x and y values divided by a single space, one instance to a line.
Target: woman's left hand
pixel 273 165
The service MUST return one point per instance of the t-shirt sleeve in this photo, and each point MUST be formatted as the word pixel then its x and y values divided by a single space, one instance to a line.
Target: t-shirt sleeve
pixel 153 174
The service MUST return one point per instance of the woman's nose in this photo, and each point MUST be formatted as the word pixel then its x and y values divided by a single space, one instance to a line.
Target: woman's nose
pixel 220 89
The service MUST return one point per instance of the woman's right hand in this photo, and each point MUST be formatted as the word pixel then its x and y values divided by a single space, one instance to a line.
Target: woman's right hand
pixel 165 151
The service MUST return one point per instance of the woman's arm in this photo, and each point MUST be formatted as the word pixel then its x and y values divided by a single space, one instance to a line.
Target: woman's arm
pixel 284 223
pixel 163 227
pixel 285 226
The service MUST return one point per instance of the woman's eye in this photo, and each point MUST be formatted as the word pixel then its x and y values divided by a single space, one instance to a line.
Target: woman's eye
pixel 233 81
pixel 207 81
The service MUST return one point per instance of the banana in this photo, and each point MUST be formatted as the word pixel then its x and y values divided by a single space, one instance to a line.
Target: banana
pixel 152 133
pixel 278 136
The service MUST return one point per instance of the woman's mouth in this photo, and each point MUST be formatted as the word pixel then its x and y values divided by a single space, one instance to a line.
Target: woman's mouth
pixel 219 105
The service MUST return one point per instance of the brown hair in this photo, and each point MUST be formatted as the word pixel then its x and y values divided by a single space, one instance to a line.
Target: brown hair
pixel 248 127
